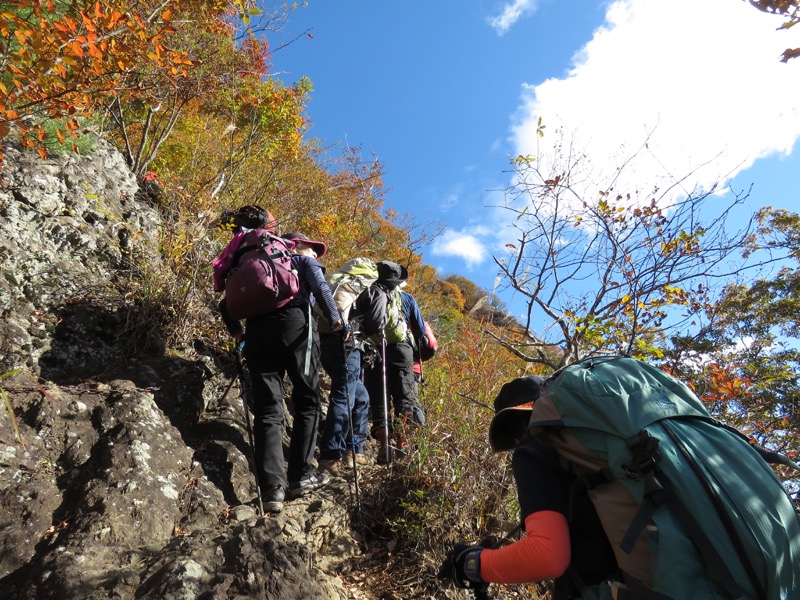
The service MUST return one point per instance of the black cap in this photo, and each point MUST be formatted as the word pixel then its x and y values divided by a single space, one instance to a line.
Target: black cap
pixel 391 274
pixel 512 407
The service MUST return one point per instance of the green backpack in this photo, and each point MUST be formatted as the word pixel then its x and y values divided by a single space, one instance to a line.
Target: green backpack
pixel 396 329
pixel 346 284
pixel 693 511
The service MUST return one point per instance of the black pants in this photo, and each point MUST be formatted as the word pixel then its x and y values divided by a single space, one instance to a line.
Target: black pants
pixel 400 388
pixel 276 345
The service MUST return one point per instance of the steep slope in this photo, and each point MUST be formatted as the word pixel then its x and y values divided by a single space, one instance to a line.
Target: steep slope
pixel 131 478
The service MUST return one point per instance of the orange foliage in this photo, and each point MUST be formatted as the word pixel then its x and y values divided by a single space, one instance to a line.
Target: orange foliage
pixel 66 60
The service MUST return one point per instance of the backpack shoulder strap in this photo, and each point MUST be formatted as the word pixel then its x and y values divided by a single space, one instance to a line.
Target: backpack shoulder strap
pixel 264 238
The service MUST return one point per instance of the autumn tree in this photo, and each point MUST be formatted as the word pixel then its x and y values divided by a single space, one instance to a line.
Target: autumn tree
pixel 789 10
pixel 62 60
pixel 603 270
pixel 745 362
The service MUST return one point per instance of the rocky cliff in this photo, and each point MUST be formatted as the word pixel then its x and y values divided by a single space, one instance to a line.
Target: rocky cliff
pixel 129 477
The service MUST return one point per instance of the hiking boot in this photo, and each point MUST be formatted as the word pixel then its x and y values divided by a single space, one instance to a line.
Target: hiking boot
pixel 360 459
pixel 331 466
pixel 400 437
pixel 273 500
pixel 400 446
pixel 308 484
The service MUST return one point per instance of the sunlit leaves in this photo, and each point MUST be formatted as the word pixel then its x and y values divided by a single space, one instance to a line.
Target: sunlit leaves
pixel 71 58
pixel 789 9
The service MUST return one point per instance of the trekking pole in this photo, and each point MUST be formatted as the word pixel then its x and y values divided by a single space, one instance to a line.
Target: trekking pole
pixel 244 382
pixel 385 397
pixel 421 382
pixel 350 410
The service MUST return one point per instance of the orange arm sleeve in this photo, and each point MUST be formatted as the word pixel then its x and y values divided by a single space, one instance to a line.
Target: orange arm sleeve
pixel 542 554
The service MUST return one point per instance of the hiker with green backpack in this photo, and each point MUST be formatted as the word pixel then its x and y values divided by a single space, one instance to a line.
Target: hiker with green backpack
pixel 346 427
pixel 389 369
pixel 630 490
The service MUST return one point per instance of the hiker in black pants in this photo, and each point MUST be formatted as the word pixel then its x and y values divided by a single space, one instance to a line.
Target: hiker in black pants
pixel 286 342
pixel 418 329
pixel 398 372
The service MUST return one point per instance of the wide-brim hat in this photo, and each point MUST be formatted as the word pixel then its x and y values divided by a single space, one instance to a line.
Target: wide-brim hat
pixel 319 247
pixel 512 407
pixel 391 274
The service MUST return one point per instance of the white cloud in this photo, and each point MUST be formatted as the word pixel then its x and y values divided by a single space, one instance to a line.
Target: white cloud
pixel 510 14
pixel 450 200
pixel 702 78
pixel 465 245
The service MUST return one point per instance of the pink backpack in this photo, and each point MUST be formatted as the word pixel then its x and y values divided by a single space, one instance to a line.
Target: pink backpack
pixel 261 279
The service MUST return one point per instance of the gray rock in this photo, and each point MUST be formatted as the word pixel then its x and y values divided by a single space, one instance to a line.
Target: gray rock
pixel 132 478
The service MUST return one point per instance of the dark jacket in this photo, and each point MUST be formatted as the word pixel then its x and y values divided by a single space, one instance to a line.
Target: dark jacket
pixel 368 315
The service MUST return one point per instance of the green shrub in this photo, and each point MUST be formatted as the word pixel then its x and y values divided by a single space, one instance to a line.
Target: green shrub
pixel 64 143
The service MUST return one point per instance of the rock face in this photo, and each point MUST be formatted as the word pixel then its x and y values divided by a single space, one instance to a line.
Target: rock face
pixel 131 479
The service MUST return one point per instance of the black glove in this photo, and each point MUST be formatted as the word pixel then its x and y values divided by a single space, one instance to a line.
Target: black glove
pixel 463 565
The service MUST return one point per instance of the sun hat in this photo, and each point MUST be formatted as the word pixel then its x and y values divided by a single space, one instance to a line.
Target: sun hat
pixel 391 274
pixel 512 407
pixel 319 247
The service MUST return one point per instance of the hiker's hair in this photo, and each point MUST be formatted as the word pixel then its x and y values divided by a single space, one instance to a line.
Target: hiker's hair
pixel 248 217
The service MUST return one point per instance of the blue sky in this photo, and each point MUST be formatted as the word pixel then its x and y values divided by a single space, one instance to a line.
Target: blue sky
pixel 443 92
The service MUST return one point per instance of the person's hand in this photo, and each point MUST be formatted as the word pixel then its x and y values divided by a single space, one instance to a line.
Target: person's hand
pixel 463 565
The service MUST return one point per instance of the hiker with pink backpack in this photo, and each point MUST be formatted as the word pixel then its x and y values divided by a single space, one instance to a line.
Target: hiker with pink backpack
pixel 273 282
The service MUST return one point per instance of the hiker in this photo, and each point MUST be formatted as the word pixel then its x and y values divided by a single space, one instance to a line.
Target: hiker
pixel 285 342
pixel 392 379
pixel 246 218
pixel 543 490
pixel 346 427
pixel 693 508
pixel 425 343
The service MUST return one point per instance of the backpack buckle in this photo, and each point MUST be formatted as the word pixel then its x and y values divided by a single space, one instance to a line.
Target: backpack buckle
pixel 644 455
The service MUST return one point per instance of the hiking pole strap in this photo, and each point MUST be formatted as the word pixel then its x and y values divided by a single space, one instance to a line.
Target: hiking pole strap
pixel 481 592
